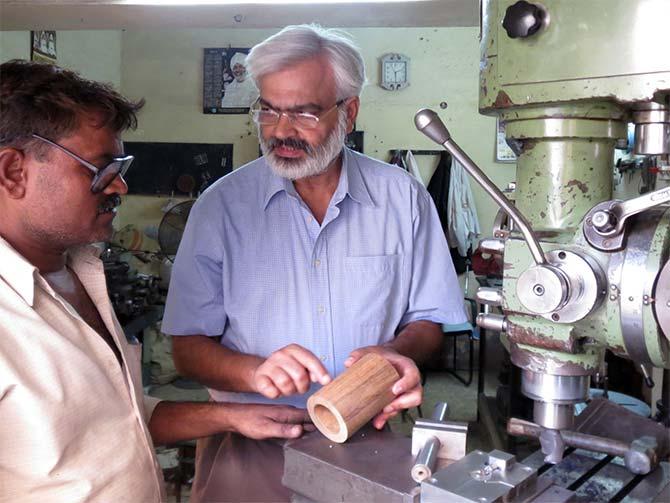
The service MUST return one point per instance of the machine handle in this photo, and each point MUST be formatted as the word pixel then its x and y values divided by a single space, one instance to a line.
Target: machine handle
pixel 523 19
pixel 612 221
pixel 429 123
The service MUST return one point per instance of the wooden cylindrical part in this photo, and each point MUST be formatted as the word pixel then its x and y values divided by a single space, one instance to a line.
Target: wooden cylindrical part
pixel 341 407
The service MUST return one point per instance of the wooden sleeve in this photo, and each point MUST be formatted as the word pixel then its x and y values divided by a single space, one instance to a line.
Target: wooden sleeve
pixel 341 407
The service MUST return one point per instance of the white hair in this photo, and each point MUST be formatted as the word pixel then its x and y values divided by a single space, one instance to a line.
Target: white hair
pixel 298 43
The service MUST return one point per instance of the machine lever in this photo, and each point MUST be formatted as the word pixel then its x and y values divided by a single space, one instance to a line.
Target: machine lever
pixel 429 123
pixel 640 456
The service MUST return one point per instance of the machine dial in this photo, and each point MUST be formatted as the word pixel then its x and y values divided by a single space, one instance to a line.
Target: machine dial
pixel 523 19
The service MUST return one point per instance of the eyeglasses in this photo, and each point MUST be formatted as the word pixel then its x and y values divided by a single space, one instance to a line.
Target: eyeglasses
pixel 102 177
pixel 264 116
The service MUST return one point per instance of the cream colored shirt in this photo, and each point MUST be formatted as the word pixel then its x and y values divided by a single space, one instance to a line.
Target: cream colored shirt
pixel 73 422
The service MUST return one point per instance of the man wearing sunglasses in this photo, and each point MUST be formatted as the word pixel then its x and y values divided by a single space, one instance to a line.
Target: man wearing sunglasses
pixel 304 260
pixel 74 425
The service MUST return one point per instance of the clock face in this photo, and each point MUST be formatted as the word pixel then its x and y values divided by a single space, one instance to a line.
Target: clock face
pixel 394 72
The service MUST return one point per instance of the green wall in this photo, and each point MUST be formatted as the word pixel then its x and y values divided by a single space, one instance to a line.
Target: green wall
pixel 96 54
pixel 165 67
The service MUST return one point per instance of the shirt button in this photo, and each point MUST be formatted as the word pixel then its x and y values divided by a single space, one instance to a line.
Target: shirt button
pixel 323 358
pixel 317 263
pixel 320 309
pixel 310 218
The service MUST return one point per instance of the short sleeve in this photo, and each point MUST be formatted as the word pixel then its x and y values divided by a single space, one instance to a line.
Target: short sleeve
pixel 434 292
pixel 195 303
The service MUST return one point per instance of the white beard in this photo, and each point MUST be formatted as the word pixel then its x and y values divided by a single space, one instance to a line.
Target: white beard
pixel 318 158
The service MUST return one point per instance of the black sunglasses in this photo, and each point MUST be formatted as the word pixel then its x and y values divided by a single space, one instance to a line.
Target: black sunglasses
pixel 118 166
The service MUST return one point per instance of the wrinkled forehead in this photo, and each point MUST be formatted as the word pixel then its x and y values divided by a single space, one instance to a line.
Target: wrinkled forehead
pixel 306 82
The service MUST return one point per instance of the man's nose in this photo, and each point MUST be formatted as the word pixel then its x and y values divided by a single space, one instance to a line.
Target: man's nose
pixel 117 186
pixel 284 128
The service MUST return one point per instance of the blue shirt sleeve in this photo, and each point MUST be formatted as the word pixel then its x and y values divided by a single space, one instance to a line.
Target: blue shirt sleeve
pixel 195 303
pixel 434 292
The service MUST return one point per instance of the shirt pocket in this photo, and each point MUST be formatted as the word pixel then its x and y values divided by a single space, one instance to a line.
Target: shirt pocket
pixel 374 286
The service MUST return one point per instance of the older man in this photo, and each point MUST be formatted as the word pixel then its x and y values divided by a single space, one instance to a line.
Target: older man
pixel 303 261
pixel 74 425
pixel 241 91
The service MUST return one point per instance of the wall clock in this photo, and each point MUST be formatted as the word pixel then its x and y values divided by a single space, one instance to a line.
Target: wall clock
pixel 394 71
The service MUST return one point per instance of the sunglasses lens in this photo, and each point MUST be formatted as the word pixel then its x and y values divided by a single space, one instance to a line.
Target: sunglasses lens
pixel 108 173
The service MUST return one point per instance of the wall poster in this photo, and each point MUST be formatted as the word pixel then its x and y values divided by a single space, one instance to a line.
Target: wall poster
pixel 43 46
pixel 227 86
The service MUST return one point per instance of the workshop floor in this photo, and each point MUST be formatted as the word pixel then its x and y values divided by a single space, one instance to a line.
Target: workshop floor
pixel 440 386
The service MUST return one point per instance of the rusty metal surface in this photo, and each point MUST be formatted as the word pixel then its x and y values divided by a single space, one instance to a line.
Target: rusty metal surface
pixel 541 363
pixel 525 335
pixel 372 466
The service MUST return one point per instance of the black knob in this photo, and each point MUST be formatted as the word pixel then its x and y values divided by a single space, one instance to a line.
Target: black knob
pixel 523 19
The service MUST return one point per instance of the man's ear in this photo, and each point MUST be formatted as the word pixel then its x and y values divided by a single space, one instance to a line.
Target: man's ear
pixel 12 173
pixel 352 112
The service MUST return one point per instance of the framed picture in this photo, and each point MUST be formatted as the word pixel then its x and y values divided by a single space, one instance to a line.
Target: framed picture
pixel 227 86
pixel 43 46
pixel 504 152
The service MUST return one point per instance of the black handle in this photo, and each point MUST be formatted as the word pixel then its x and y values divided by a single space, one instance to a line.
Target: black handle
pixel 523 19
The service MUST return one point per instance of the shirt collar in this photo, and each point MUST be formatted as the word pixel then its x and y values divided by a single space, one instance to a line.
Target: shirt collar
pixel 21 275
pixel 351 183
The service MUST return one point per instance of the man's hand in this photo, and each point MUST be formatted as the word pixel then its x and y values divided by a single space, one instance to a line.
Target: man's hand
pixel 289 371
pixel 407 389
pixel 268 421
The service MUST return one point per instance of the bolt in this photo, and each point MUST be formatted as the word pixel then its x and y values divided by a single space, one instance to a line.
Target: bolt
pixel 555 317
pixel 631 298
pixel 613 287
pixel 538 290
pixel 601 220
pixel 613 297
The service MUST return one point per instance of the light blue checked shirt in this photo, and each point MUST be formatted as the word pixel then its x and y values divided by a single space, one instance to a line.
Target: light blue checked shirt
pixel 255 266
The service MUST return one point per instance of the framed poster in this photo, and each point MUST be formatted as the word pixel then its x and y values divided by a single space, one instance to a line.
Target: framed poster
pixel 227 86
pixel 504 152
pixel 43 46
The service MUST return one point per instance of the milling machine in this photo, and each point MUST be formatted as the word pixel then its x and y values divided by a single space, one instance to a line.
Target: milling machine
pixel 583 273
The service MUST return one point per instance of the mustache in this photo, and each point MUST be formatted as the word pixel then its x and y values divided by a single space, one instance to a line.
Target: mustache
pixel 110 203
pixel 290 143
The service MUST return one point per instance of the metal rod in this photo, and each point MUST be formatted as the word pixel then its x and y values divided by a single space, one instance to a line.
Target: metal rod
pixel 575 439
pixel 440 411
pixel 429 123
pixel 425 460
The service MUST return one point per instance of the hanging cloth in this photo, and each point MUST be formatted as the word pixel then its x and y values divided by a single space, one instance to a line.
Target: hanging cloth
pixel 463 228
pixel 413 167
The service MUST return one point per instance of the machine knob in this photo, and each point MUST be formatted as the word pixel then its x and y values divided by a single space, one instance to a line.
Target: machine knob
pixel 523 19
pixel 542 289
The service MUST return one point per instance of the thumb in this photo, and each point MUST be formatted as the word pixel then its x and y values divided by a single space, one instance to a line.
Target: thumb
pixel 286 430
pixel 354 356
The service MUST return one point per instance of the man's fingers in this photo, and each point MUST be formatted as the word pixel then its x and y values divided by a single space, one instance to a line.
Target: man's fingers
pixel 380 420
pixel 406 400
pixel 308 360
pixel 283 381
pixel 410 377
pixel 288 414
pixel 282 430
pixel 266 387
pixel 298 373
pixel 354 356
